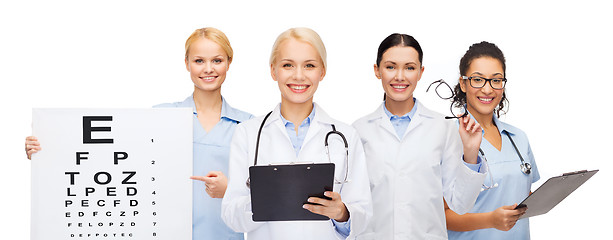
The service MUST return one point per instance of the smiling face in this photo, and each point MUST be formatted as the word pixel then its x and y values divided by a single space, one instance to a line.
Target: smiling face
pixel 298 69
pixel 399 71
pixel 207 64
pixel 483 101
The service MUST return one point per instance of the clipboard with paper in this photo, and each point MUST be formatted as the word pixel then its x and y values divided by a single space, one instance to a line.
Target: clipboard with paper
pixel 553 191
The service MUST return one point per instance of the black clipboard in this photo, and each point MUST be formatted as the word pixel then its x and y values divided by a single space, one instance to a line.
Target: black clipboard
pixel 279 191
pixel 553 191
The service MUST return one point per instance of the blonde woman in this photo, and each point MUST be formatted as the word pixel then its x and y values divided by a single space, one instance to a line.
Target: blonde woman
pixel 295 132
pixel 208 55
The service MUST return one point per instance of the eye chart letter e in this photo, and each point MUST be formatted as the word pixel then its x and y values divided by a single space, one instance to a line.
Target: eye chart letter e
pixel 112 174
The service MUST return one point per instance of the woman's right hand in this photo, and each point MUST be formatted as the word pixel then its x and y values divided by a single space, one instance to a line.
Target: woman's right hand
pixel 32 146
pixel 471 135
pixel 505 217
pixel 215 183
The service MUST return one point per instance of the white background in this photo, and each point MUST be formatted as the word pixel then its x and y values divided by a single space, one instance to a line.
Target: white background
pixel 130 54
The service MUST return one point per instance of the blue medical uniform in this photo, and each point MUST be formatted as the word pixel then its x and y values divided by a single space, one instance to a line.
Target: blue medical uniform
pixel 211 153
pixel 513 184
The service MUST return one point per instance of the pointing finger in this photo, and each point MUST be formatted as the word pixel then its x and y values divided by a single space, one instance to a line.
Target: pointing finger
pixel 199 178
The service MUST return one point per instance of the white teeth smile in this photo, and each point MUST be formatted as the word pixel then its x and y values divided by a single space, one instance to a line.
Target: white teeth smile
pixel 299 87
pixel 485 99
pixel 400 86
pixel 208 78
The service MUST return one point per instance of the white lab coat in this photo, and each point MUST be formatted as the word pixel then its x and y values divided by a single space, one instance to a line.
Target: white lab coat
pixel 410 176
pixel 276 147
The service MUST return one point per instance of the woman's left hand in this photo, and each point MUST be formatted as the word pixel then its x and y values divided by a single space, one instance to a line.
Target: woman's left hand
pixel 333 208
pixel 471 133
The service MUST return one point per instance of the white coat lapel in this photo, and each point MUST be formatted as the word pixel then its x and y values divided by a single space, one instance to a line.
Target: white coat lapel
pixel 415 122
pixel 275 119
pixel 418 118
pixel 312 133
pixel 316 125
pixel 421 114
pixel 384 121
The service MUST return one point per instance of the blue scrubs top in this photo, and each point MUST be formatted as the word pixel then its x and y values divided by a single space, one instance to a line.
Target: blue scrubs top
pixel 211 153
pixel 513 184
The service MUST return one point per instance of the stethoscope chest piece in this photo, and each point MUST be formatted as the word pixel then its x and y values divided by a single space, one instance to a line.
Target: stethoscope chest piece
pixel 526 168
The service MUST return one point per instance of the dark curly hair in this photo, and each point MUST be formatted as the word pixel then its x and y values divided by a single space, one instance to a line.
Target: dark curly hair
pixel 477 50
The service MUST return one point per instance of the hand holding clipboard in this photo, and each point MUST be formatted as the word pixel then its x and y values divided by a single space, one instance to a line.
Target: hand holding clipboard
pixel 280 192
pixel 553 191
pixel 332 206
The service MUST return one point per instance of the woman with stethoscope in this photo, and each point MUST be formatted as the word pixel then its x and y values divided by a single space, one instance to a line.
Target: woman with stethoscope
pixel 414 155
pixel 295 131
pixel 208 55
pixel 512 169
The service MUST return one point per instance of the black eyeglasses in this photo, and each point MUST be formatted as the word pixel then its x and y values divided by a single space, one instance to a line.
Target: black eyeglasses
pixel 479 82
pixel 447 93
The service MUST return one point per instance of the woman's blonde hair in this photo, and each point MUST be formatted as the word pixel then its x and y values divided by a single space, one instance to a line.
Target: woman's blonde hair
pixel 214 35
pixel 302 34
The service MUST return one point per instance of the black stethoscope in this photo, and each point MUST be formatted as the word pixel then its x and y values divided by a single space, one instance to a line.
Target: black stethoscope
pixel 525 167
pixel 336 181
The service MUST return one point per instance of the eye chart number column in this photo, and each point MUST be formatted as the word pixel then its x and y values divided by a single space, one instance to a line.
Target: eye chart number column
pixel 153 193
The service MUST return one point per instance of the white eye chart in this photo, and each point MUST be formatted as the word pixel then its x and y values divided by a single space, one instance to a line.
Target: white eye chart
pixel 112 174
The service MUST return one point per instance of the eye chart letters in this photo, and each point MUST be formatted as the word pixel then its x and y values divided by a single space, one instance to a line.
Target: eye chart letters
pixel 112 174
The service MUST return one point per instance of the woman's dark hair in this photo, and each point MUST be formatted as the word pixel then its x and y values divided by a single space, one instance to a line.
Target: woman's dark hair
pixel 395 40
pixel 478 50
